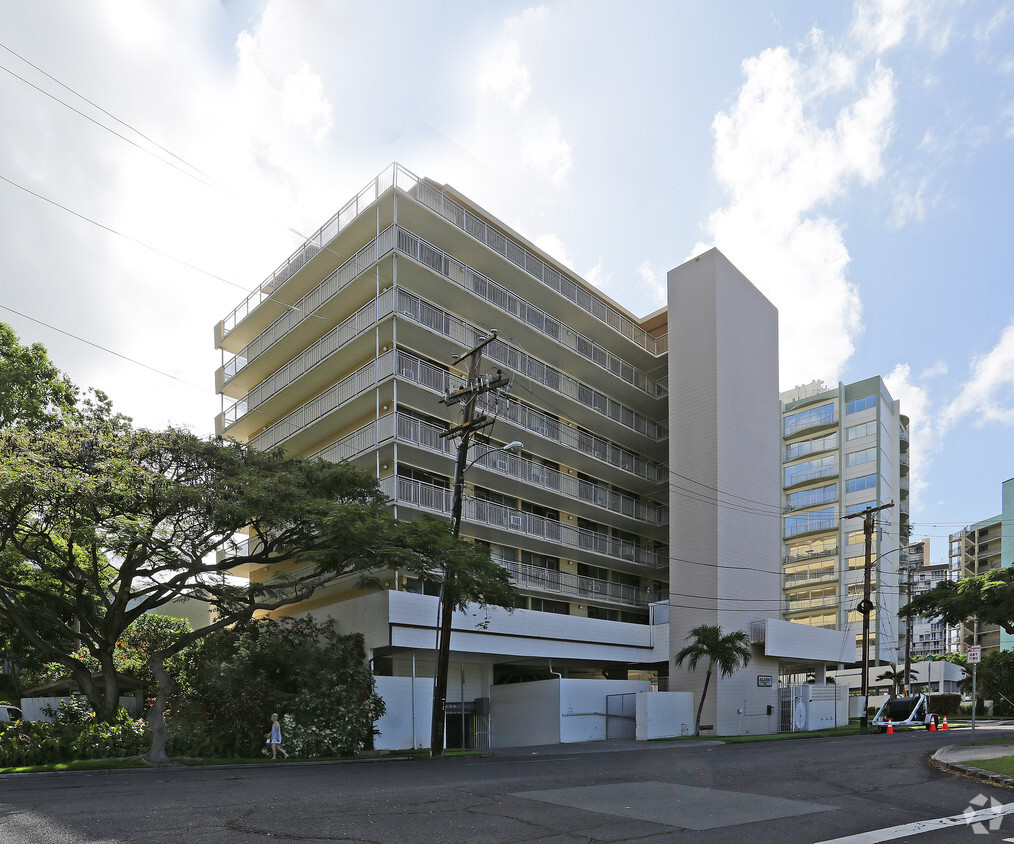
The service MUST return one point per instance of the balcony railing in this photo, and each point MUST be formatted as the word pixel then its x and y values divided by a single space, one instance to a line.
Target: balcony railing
pixel 362 320
pixel 792 580
pixel 805 525
pixel 509 302
pixel 426 435
pixel 812 603
pixel 803 477
pixel 440 381
pixel 305 308
pixel 807 555
pixel 438 500
pixel 511 357
pixel 570 585
pixel 393 176
pixel 477 228
pixel 344 391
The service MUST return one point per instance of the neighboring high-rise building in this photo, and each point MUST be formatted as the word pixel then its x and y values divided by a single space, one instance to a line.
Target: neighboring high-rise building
pixel 346 351
pixel 985 546
pixel 930 637
pixel 844 449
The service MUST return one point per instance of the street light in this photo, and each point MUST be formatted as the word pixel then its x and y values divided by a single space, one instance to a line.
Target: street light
pixel 445 607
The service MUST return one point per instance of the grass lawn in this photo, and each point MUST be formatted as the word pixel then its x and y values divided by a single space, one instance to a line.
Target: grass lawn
pixel 999 764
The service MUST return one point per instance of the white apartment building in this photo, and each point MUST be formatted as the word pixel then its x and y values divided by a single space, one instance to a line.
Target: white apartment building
pixel 929 637
pixel 843 449
pixel 976 549
pixel 345 351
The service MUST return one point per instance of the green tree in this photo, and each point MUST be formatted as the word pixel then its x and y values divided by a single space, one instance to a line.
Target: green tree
pixel 987 597
pixel 113 521
pixel 895 676
pixel 33 392
pixel 728 652
pixel 315 677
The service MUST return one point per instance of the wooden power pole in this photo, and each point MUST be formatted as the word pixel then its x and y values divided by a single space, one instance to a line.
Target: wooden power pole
pixel 866 606
pixel 466 395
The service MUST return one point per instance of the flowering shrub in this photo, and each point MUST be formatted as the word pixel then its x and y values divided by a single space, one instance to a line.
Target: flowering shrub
pixel 314 677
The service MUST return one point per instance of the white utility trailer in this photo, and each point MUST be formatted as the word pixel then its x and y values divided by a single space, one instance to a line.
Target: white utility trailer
pixel 906 711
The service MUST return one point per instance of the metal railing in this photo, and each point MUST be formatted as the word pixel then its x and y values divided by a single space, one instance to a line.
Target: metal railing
pixel 427 435
pixel 393 176
pixel 411 368
pixel 361 321
pixel 802 524
pixel 344 391
pixel 450 268
pixel 511 357
pixel 807 555
pixel 477 228
pixel 574 585
pixel 304 309
pixel 811 498
pixel 438 499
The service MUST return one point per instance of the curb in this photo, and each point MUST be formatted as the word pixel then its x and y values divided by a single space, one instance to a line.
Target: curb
pixel 960 768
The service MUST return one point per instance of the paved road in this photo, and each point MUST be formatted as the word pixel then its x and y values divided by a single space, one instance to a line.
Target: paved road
pixel 810 790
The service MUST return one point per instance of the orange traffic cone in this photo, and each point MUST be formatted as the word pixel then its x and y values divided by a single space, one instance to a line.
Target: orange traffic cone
pixel 932 723
pixel 890 727
pixel 945 727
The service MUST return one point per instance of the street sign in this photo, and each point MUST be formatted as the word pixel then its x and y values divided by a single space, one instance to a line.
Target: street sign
pixel 974 654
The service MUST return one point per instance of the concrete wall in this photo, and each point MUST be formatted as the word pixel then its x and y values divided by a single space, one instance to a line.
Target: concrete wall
pixel 583 706
pixel 724 417
pixel 396 730
pixel 664 715
pixel 522 714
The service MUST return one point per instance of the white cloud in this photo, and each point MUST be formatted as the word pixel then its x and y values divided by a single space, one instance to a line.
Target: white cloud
pixel 502 74
pixel 924 436
pixel 988 395
pixel 552 244
pixel 304 104
pixel 783 153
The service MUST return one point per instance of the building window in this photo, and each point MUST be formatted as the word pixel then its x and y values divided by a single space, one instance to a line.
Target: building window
pixel 545 605
pixel 815 520
pixel 864 429
pixel 822 467
pixel 857 405
pixel 813 497
pixel 858 508
pixel 859 484
pixel 867 455
pixel 809 418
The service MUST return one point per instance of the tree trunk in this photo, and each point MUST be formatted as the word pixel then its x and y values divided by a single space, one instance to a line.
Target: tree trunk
pixel 156 713
pixel 700 706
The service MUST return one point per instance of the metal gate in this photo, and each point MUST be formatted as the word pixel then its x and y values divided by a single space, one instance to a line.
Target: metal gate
pixel 621 716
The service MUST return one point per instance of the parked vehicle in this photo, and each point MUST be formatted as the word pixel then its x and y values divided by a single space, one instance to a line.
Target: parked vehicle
pixel 9 713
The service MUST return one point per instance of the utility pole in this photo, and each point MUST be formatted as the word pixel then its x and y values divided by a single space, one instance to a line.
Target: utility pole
pixel 909 568
pixel 466 395
pixel 866 605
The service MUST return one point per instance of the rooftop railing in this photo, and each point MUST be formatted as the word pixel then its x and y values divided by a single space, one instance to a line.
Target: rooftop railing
pixel 532 264
pixel 438 499
pixel 393 176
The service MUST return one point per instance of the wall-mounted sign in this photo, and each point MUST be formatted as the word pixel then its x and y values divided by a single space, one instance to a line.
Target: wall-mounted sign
pixel 765 681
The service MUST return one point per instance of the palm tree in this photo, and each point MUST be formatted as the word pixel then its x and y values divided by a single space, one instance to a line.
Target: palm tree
pixel 896 677
pixel 729 652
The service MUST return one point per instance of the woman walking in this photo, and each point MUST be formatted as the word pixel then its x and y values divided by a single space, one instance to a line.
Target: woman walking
pixel 275 737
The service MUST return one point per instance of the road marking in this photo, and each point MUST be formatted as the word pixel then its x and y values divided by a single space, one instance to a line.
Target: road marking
pixel 892 833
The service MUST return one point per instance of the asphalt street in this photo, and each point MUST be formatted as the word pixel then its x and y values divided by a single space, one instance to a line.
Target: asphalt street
pixel 809 790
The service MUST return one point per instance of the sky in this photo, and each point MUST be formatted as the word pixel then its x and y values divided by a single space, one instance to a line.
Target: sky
pixel 854 160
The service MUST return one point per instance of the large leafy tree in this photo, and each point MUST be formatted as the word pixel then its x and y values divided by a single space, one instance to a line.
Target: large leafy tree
pixel 987 597
pixel 728 652
pixel 102 522
pixel 33 392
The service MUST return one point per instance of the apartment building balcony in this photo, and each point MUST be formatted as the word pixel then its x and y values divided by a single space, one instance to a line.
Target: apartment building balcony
pixel 791 581
pixel 315 258
pixel 793 606
pixel 810 555
pixel 567 585
pixel 811 424
pixel 513 254
pixel 493 520
pixel 532 474
pixel 800 478
pixel 558 440
pixel 804 523
pixel 810 498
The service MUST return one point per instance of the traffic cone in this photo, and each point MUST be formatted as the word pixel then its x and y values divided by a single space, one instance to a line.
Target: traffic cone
pixel 945 727
pixel 932 723
pixel 890 727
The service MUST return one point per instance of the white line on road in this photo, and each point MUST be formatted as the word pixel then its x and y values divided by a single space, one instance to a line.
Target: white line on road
pixel 892 833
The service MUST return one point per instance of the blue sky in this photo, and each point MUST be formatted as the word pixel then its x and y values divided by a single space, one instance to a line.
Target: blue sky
pixel 853 159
